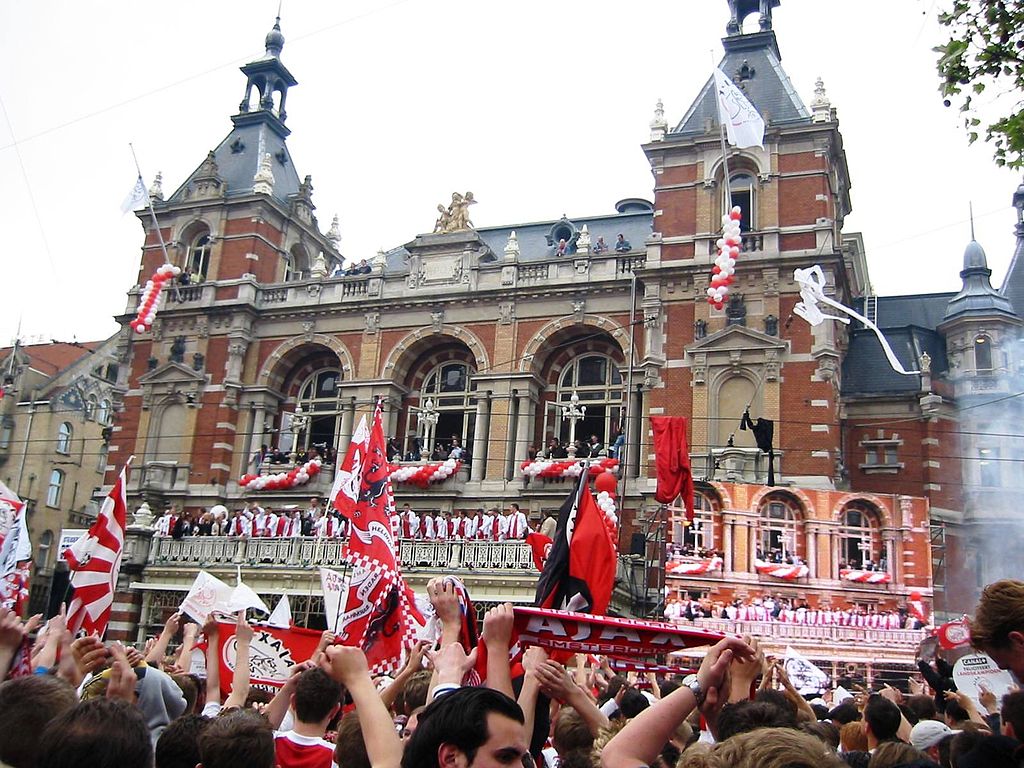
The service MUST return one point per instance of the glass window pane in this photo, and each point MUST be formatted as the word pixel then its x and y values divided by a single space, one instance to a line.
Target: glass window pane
pixel 453 378
pixel 326 384
pixel 591 371
pixel 567 377
pixel 616 376
pixel 430 385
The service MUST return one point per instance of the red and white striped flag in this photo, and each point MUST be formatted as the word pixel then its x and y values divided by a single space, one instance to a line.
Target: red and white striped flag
pixel 95 562
pixel 15 551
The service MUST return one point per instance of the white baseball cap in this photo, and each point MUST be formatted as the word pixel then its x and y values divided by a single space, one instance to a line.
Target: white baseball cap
pixel 927 733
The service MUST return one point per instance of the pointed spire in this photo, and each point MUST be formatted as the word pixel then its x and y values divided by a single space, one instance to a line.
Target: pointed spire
pixel 156 189
pixel 583 241
pixel 821 107
pixel 659 127
pixel 334 233
pixel 512 246
pixel 319 266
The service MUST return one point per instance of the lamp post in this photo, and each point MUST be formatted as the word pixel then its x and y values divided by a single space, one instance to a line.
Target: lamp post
pixel 572 413
pixel 428 417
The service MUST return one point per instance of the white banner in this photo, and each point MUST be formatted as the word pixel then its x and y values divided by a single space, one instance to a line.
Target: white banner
pixel 206 595
pixel 978 669
pixel 67 539
pixel 334 585
pixel 744 126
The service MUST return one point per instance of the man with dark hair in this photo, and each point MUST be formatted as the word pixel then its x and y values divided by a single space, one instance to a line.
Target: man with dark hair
pixel 471 727
pixel 998 625
pixel 104 733
pixel 882 720
pixel 1012 714
pixel 28 704
pixel 315 699
pixel 743 716
pixel 178 745
pixel 633 703
pixel 241 737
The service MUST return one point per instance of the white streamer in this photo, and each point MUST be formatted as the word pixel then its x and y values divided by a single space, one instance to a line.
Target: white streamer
pixel 812 290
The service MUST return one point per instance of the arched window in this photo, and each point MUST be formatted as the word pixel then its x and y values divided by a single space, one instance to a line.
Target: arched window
pixel 743 187
pixel 53 490
pixel 296 264
pixel 690 538
pixel 198 259
pixel 43 548
pixel 91 404
pixel 103 412
pixel 982 353
pixel 779 530
pixel 318 398
pixel 64 435
pixel 859 542
pixel 596 380
pixel 451 394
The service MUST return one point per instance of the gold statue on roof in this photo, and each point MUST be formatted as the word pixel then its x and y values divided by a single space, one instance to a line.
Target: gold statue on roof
pixel 454 218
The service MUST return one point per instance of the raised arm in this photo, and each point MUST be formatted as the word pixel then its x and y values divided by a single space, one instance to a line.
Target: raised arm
pixel 240 680
pixel 640 741
pixel 159 650
pixel 497 635
pixel 212 633
pixel 348 666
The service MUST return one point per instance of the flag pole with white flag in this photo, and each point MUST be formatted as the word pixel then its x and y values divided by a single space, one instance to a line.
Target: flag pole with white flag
pixel 136 197
pixel 739 120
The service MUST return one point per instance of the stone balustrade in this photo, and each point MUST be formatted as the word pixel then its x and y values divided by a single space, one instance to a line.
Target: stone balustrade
pixel 205 551
pixel 780 631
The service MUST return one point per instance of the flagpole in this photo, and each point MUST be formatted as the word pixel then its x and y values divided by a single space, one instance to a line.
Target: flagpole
pixel 152 213
pixel 725 164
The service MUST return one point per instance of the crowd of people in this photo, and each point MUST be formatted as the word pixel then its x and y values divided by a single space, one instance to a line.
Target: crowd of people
pixel 592 448
pixel 789 611
pixel 256 521
pixel 107 705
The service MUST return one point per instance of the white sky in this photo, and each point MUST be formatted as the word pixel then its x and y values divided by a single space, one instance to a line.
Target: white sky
pixel 539 108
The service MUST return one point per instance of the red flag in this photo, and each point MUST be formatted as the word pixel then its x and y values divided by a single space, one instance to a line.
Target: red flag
pixel 954 634
pixel 95 562
pixel 580 570
pixel 379 607
pixel 672 461
pixel 272 653
pixel 15 551
pixel 541 546
pixel 348 477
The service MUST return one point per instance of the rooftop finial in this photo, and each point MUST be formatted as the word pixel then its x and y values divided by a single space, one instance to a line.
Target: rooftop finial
pixel 659 126
pixel 970 208
pixel 275 40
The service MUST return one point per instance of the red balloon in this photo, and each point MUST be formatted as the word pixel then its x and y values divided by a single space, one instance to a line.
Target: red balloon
pixel 735 215
pixel 313 469
pixel 719 305
pixel 715 269
pixel 915 595
pixel 606 481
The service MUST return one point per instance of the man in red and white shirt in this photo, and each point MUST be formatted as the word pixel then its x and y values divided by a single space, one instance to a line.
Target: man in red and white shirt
pixel 165 524
pixel 441 527
pixel 270 527
pixel 326 527
pixel 428 526
pixel 410 523
pixel 315 700
pixel 239 525
pixel 518 526
pixel 486 530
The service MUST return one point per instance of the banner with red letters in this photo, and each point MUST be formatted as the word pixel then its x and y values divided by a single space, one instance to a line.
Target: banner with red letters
pixel 272 653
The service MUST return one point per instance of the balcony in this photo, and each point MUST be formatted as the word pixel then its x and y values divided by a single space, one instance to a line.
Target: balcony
pixel 304 553
pixel 162 477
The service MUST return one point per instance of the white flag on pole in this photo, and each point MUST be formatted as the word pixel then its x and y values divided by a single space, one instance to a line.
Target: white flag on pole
pixel 806 677
pixel 136 198
pixel 206 595
pixel 334 585
pixel 281 618
pixel 744 126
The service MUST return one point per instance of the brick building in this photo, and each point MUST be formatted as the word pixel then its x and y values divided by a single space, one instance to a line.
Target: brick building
pixel 487 334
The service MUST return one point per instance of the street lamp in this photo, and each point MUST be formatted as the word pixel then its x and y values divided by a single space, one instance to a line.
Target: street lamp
pixel 428 417
pixel 572 413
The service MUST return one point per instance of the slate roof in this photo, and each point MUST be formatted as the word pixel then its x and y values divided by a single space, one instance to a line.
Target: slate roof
pixel 238 166
pixel 769 90
pixel 1013 284
pixel 866 371
pixel 635 226
pixel 924 310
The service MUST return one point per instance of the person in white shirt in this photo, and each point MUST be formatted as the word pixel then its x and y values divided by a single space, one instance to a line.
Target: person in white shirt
pixel 428 527
pixel 441 527
pixel 410 522
pixel 326 527
pixel 396 525
pixel 486 530
pixel 469 523
pixel 271 525
pixel 259 523
pixel 240 525
pixel 518 524
pixel 501 522
pixel 165 524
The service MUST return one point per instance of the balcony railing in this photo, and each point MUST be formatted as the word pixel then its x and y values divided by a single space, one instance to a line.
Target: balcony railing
pixel 825 633
pixel 308 552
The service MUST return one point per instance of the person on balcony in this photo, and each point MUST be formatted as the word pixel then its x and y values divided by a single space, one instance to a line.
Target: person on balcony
pixel 456 452
pixel 240 526
pixel 474 523
pixel 270 528
pixel 486 530
pixel 622 244
pixel 600 246
pixel 259 522
pixel 441 526
pixel 410 523
pixel 327 527
pixel 165 524
pixel 518 524
pixel 428 526
pixel 501 525
pixel 595 448
pixel 458 525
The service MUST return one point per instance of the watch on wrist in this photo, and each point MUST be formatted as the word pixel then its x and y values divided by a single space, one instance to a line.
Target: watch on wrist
pixel 698 691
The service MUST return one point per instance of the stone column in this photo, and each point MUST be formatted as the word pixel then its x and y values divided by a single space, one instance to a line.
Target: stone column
pixel 524 437
pixel 751 547
pixel 727 548
pixel 348 417
pixel 812 552
pixel 483 410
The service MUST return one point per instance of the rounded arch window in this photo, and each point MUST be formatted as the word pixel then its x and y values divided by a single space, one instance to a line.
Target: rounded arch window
pixel 197 260
pixel 778 535
pixel 43 550
pixel 743 190
pixel 597 383
pixel 447 411
pixel 982 353
pixel 55 488
pixel 296 264
pixel 103 412
pixel 859 541
pixel 693 538
pixel 91 405
pixel 316 424
pixel 64 434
